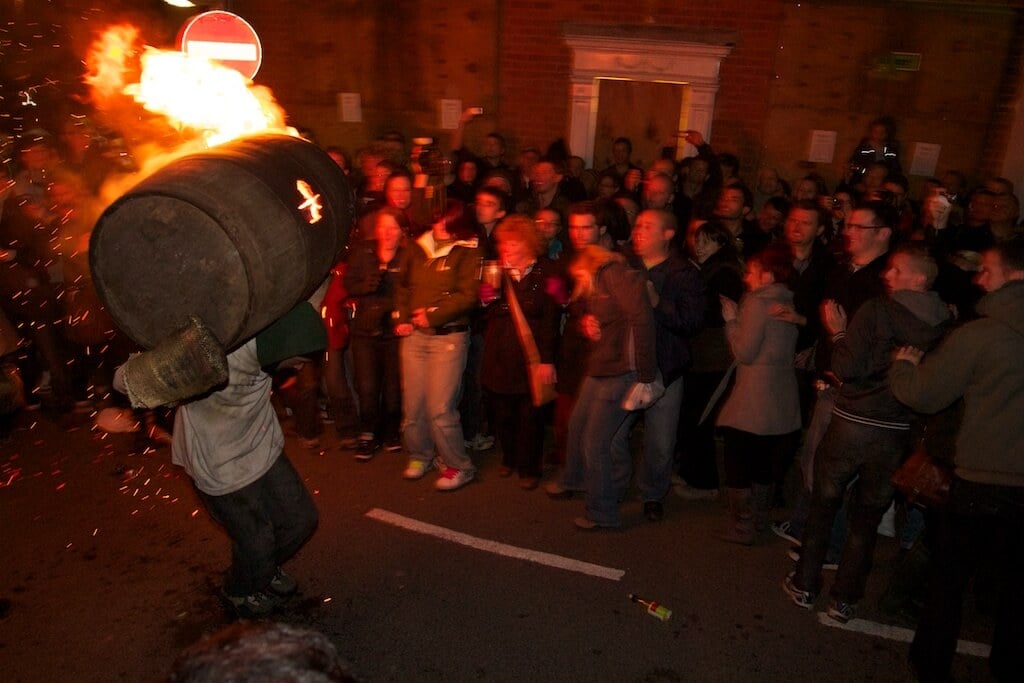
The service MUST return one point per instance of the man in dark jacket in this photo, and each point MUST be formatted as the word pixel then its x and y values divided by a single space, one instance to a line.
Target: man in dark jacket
pixel 868 436
pixel 677 297
pixel 849 284
pixel 805 223
pixel 983 362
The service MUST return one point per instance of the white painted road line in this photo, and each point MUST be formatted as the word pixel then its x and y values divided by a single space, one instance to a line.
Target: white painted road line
pixel 903 635
pixel 489 546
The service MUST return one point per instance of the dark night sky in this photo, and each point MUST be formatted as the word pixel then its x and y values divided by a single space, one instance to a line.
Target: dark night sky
pixel 43 44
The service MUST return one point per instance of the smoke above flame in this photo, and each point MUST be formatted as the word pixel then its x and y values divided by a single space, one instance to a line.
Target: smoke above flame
pixel 197 96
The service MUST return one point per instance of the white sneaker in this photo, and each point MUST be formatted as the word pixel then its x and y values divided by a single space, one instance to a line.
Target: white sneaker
pixel 254 606
pixel 480 442
pixel 687 492
pixel 887 527
pixel 452 479
pixel 827 565
pixel 417 468
pixel 785 530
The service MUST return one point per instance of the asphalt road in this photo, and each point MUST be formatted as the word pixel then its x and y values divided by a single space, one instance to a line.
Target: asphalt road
pixel 111 563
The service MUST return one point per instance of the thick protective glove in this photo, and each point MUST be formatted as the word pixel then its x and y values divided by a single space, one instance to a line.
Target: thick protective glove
pixel 187 363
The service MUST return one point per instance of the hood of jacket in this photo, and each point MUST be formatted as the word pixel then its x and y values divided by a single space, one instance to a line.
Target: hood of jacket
pixel 433 251
pixel 927 307
pixel 1006 304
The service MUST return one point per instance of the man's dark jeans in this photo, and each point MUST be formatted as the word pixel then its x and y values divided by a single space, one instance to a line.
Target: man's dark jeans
pixel 848 450
pixel 981 520
pixel 268 521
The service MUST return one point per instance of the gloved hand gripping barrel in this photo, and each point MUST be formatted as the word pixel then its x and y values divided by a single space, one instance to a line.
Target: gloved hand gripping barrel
pixel 214 247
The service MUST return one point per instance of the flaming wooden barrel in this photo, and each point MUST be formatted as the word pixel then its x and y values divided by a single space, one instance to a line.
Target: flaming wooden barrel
pixel 236 235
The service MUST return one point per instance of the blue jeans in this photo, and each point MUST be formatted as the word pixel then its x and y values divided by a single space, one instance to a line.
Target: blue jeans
pixel 432 368
pixel 342 404
pixel 268 521
pixel 660 430
pixel 913 527
pixel 574 471
pixel 849 450
pixel 378 385
pixel 595 420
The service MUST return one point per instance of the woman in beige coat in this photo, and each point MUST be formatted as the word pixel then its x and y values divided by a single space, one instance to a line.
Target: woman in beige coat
pixel 761 416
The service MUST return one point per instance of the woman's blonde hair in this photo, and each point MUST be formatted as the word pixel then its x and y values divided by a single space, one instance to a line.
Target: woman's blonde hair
pixel 585 266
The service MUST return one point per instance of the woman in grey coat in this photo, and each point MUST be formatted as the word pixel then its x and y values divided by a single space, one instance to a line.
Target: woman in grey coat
pixel 761 416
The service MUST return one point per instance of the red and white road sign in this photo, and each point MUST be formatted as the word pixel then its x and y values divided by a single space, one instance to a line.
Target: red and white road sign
pixel 224 37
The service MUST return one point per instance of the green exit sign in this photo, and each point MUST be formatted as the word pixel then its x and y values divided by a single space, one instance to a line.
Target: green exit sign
pixel 904 61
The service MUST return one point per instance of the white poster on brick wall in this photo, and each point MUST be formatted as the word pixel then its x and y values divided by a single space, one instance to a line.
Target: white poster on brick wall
pixel 350 107
pixel 925 159
pixel 451 111
pixel 823 146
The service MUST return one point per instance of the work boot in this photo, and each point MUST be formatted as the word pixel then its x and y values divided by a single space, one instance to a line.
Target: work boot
pixel 761 505
pixel 739 526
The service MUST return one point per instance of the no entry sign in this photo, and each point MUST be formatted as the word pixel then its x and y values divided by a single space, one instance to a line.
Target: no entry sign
pixel 225 37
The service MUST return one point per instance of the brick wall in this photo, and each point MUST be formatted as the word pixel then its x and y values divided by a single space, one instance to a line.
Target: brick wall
pixel 829 76
pixel 796 66
pixel 535 61
pixel 402 57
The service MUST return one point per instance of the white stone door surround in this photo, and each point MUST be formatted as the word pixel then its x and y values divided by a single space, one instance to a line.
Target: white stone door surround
pixel 641 53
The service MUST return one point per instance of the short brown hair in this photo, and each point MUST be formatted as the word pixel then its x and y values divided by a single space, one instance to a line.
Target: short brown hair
pixel 922 259
pixel 824 217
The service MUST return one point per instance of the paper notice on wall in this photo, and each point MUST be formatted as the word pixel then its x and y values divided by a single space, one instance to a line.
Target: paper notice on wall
pixel 451 112
pixel 925 159
pixel 823 146
pixel 350 107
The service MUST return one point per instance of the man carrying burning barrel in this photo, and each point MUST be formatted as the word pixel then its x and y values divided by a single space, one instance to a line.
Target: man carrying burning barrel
pixel 231 444
pixel 230 274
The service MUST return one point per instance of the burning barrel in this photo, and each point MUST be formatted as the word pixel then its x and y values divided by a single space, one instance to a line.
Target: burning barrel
pixel 236 235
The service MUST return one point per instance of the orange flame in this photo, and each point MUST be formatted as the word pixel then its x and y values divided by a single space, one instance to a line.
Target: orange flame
pixel 310 201
pixel 107 61
pixel 193 93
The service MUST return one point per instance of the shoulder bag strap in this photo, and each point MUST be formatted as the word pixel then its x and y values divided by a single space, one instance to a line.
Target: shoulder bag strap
pixel 522 327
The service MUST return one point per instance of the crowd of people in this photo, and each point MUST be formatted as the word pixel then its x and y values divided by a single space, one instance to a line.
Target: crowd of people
pixel 789 319
pixel 60 334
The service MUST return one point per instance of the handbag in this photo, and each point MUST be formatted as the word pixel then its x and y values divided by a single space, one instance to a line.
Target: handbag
pixel 540 392
pixel 923 480
pixel 642 395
